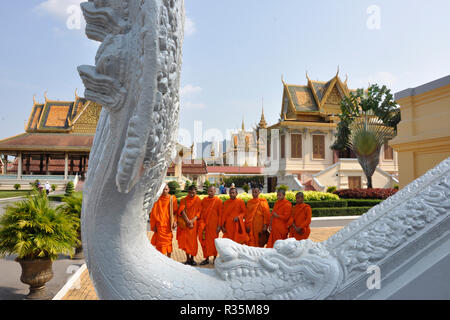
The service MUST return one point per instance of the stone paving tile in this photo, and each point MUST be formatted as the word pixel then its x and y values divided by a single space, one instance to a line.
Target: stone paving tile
pixel 86 291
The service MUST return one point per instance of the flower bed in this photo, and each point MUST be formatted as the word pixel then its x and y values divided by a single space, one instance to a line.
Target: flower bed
pixel 376 193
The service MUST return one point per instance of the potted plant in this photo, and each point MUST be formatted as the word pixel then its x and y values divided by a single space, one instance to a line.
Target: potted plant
pixel 37 234
pixel 69 189
pixel 72 206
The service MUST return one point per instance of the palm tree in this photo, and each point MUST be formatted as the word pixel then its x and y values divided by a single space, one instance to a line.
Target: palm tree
pixel 367 120
pixel 37 233
pixel 72 207
pixel 32 229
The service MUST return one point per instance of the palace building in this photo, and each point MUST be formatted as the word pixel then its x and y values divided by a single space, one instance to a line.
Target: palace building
pixel 298 145
pixel 56 144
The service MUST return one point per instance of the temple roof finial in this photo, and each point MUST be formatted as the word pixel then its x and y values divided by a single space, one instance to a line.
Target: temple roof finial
pixel 262 123
pixel 45 96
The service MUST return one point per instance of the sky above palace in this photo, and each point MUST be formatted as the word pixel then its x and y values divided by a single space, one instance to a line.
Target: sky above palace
pixel 235 54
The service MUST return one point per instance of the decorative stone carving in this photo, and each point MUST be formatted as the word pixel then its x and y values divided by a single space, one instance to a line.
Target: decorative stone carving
pixel 136 80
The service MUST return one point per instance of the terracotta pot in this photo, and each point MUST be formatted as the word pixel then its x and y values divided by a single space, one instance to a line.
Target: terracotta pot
pixel 36 273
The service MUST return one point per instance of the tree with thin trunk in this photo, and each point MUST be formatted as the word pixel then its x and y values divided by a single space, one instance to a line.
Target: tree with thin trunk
pixel 367 120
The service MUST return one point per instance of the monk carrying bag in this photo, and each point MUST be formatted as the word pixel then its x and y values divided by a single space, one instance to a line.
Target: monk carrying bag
pixel 180 220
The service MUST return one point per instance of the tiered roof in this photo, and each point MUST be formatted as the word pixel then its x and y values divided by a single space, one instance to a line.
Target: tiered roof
pixel 56 126
pixel 79 116
pixel 315 98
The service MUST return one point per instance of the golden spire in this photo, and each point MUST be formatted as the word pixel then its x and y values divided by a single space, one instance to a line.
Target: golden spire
pixel 45 96
pixel 262 123
pixel 243 127
pixel 337 73
pixel 307 76
pixel 34 99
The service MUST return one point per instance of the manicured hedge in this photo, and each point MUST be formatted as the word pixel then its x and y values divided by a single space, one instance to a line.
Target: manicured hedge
pixel 330 212
pixel 319 204
pixel 239 181
pixel 363 202
pixel 327 204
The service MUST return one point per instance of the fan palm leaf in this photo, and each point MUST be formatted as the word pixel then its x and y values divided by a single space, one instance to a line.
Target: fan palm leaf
pixel 33 229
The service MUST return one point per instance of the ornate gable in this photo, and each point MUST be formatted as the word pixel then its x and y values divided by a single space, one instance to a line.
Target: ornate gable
pixel 79 116
pixel 86 121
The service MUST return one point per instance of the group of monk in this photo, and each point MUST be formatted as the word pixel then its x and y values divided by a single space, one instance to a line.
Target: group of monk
pixel 251 224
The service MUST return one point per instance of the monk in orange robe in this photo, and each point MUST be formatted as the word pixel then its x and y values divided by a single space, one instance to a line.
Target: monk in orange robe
pixel 233 219
pixel 300 219
pixel 162 222
pixel 258 218
pixel 281 213
pixel 209 224
pixel 188 213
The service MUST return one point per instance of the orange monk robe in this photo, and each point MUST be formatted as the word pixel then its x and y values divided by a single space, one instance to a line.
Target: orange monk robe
pixel 187 237
pixel 258 216
pixel 207 225
pixel 280 227
pixel 160 218
pixel 301 216
pixel 232 209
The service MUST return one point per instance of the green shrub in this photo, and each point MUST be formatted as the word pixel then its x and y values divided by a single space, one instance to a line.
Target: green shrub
pixel 174 187
pixel 186 186
pixel 35 185
pixel 283 187
pixel 363 202
pixel 396 187
pixel 206 185
pixel 330 212
pixel 72 206
pixel 17 186
pixel 32 229
pixel 69 189
pixel 246 188
pixel 327 204
pixel 331 189
pixel 54 187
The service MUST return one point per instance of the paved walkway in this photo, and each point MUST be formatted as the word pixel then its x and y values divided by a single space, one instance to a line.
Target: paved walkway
pixel 84 290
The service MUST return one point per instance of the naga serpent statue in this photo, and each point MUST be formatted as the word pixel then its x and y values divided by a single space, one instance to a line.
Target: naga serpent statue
pixel 136 79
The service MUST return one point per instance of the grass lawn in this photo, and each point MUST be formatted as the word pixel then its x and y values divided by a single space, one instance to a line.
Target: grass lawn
pixel 13 193
pixel 59 197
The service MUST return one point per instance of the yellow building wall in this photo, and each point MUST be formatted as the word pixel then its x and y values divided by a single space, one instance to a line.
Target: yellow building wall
pixel 423 139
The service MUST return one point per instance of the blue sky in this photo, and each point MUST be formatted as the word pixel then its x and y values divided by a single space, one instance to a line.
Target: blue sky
pixel 235 53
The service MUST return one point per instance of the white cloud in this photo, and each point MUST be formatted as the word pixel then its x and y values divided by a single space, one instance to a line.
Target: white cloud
pixel 58 8
pixel 190 90
pixel 193 106
pixel 189 27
